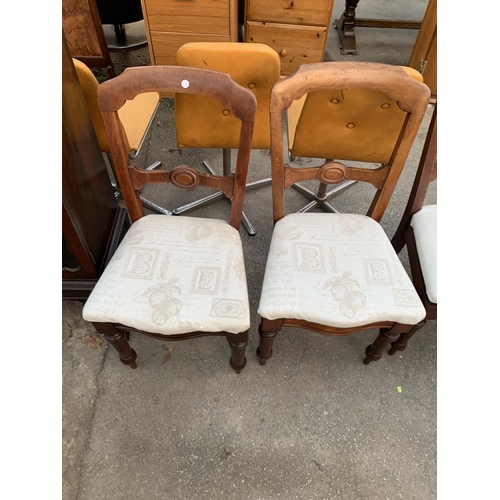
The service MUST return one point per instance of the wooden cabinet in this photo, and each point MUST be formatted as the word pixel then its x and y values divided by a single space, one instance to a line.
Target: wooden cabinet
pixel 172 23
pixel 297 30
pixel 92 223
pixel 85 35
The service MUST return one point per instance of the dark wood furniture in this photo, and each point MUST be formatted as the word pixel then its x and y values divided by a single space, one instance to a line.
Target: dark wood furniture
pixel 91 221
pixel 404 235
pixel 348 21
pixel 424 54
pixel 238 101
pixel 398 89
pixel 85 35
pixel 297 30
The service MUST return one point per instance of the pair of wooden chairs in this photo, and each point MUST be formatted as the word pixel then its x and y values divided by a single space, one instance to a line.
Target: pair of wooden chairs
pixel 175 278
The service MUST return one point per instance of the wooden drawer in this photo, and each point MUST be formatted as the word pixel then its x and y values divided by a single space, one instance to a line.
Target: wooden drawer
pixel 317 12
pixel 188 16
pixel 295 45
pixel 166 45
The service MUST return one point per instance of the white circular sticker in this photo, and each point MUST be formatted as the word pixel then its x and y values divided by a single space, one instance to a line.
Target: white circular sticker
pixel 185 84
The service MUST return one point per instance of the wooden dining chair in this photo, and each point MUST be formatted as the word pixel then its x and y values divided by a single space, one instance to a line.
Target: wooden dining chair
pixel 135 116
pixel 175 278
pixel 337 273
pixel 418 231
pixel 206 123
pixel 318 127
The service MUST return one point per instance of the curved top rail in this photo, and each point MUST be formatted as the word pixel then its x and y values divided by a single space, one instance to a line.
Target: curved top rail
pixel 113 93
pixel 411 96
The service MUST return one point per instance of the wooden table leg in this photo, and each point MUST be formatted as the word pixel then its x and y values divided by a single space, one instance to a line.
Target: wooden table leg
pixel 345 27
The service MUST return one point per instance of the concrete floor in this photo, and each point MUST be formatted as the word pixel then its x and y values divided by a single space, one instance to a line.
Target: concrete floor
pixel 313 423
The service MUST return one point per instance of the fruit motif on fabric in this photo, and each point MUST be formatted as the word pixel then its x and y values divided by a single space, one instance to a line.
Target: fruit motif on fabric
pixel 198 231
pixel 163 300
pixel 344 290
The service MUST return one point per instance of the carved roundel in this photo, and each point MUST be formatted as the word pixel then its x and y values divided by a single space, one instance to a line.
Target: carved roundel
pixel 184 177
pixel 332 173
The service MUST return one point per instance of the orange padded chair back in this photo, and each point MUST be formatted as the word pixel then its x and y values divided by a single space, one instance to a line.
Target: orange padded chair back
pixel 89 86
pixel 344 125
pixel 203 122
pixel 134 115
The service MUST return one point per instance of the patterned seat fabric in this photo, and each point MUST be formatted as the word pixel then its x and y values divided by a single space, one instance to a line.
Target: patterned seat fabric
pixel 424 224
pixel 339 270
pixel 173 275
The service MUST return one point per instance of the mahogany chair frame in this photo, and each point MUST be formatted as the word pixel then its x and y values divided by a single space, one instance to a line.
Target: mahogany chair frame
pixel 412 97
pixel 404 235
pixel 112 95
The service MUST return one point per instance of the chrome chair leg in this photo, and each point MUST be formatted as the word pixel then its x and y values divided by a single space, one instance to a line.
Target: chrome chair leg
pixel 320 198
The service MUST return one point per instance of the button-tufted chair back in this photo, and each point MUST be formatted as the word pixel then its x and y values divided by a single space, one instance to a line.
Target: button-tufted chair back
pixel 205 123
pixel 346 124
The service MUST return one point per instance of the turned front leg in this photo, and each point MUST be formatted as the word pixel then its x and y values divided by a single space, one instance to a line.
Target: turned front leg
pixel 238 343
pixel 267 332
pixel 117 338
pixel 374 351
pixel 401 343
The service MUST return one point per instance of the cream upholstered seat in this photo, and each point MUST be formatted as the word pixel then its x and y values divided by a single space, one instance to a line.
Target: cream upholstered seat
pixel 338 270
pixel 175 278
pixel 335 273
pixel 174 275
pixel 424 224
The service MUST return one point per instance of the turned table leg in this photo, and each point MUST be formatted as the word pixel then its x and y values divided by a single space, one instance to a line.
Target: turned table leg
pixel 345 27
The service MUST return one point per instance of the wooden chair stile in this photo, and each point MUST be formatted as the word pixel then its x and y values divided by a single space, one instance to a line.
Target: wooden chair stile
pixel 421 242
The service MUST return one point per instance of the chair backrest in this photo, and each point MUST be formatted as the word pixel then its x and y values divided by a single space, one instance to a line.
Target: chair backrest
pixel 344 124
pixel 399 90
pixel 426 173
pixel 135 116
pixel 89 85
pixel 203 122
pixel 113 94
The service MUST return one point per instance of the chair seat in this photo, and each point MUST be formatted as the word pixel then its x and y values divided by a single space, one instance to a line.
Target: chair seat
pixel 424 224
pixel 338 270
pixel 173 275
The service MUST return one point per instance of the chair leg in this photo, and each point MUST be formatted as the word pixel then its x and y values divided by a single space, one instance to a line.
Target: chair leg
pixel 238 343
pixel 374 351
pixel 267 333
pixel 118 339
pixel 401 343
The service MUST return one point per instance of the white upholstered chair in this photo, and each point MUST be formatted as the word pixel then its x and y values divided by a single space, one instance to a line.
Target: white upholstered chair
pixel 418 231
pixel 175 278
pixel 337 273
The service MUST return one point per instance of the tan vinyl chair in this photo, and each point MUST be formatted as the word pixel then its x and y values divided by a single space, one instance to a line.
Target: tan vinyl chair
pixel 135 116
pixel 320 125
pixel 333 273
pixel 175 278
pixel 205 123
pixel 418 231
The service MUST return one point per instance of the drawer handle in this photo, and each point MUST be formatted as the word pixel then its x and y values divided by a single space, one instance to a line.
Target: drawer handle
pixel 283 53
